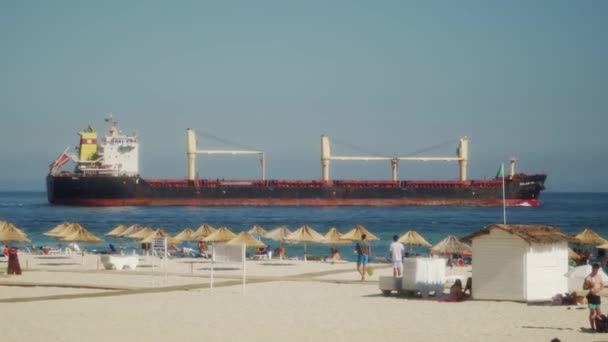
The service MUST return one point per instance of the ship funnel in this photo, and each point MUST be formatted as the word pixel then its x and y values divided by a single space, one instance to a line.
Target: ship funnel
pixel 88 144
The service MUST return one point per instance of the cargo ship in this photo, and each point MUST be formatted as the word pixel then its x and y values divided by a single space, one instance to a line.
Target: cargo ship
pixel 107 174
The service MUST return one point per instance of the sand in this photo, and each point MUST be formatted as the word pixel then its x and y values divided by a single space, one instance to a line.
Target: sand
pixel 285 300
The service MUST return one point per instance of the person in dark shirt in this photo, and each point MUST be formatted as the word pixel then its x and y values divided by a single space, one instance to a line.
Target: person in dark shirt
pixel 364 254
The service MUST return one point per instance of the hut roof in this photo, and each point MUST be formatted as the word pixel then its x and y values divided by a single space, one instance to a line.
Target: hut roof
pixel 528 232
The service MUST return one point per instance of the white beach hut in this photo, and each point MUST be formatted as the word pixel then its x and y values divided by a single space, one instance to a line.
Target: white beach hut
pixel 519 262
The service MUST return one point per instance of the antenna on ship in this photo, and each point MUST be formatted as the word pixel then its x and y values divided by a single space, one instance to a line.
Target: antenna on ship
pixel 113 123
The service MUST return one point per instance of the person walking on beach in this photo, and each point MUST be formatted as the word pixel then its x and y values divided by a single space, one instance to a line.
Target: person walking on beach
pixel 364 254
pixel 593 282
pixel 396 251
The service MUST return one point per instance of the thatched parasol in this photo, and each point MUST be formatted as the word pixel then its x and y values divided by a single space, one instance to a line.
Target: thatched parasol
pixel 355 234
pixel 10 233
pixel 450 245
pixel 67 230
pixel 257 230
pixel 203 231
pixel 117 231
pixel 131 230
pixel 141 234
pixel 589 237
pixel 81 235
pixel 412 238
pixel 245 238
pixel 56 231
pixel 159 233
pixel 185 235
pixel 333 236
pixel 278 234
pixel 305 234
pixel 573 255
pixel 222 234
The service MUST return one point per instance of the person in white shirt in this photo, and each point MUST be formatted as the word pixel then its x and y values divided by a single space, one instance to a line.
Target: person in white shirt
pixel 396 251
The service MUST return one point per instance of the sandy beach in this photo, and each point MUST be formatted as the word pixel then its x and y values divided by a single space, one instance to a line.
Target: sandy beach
pixel 59 298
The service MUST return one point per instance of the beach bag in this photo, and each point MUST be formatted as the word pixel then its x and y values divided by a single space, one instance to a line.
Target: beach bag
pixel 601 324
pixel 370 271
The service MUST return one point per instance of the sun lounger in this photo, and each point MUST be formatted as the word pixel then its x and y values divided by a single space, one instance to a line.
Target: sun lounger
pixel 119 262
pixel 267 256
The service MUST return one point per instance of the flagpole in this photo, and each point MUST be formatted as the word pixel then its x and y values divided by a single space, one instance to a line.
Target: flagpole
pixel 504 202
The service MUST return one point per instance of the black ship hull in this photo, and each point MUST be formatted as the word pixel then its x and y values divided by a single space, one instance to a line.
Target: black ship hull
pixel 71 189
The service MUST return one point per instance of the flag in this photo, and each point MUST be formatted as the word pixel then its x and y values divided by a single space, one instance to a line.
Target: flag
pixel 60 161
pixel 501 172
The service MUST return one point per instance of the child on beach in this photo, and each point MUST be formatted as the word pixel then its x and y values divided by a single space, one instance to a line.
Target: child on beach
pixel 396 249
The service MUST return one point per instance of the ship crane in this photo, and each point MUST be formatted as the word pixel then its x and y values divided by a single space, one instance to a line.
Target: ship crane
pixel 192 152
pixel 462 159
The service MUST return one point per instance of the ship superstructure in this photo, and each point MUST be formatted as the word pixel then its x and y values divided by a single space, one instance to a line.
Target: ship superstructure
pixel 117 154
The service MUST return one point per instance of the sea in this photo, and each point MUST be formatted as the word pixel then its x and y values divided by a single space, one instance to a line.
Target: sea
pixel 571 212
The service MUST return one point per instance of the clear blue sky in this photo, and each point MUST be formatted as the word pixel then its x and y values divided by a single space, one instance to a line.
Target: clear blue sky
pixel 528 78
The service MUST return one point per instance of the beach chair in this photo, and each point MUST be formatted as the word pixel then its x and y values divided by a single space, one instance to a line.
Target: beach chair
pixel 55 251
pixel 73 248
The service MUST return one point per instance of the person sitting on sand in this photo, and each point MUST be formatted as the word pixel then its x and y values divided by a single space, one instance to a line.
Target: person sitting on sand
pixel 201 247
pixel 262 250
pixel 335 254
pixel 456 292
pixel 280 251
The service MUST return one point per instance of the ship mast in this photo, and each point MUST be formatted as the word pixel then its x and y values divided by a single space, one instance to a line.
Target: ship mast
pixel 462 159
pixel 191 153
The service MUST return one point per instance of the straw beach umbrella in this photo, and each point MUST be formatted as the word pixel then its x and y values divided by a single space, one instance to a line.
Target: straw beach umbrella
pixel 222 234
pixel 573 255
pixel 141 234
pixel 159 233
pixel 56 231
pixel 203 231
pixel 589 237
pixel 278 234
pixel 412 238
pixel 305 234
pixel 246 240
pixel 10 233
pixel 357 232
pixel 450 245
pixel 131 230
pixel 185 235
pixel 81 235
pixel 117 230
pixel 67 230
pixel 257 230
pixel 334 237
